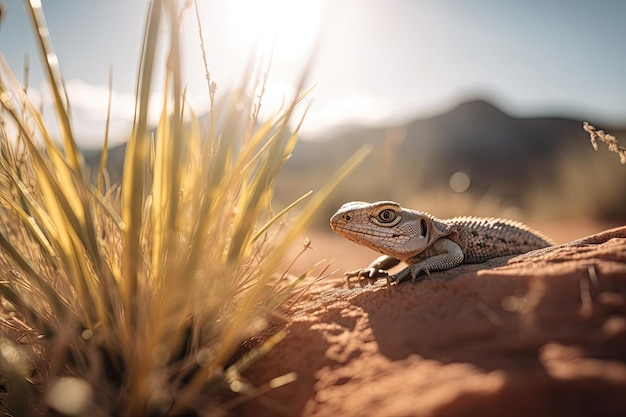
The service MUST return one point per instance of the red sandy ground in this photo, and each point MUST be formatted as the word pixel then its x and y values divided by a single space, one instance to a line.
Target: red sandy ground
pixel 543 334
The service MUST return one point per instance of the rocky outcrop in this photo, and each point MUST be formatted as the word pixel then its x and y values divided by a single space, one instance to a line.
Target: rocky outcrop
pixel 542 334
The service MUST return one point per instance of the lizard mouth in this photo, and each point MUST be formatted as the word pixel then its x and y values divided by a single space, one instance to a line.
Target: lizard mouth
pixel 336 223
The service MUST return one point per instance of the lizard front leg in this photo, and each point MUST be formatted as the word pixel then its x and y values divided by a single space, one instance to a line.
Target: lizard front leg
pixel 443 254
pixel 377 269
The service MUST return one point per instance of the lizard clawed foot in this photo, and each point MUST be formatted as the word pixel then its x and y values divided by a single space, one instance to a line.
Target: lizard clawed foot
pixel 369 273
pixel 414 274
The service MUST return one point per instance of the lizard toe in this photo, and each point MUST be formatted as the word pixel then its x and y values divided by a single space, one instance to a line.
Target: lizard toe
pixel 415 275
pixel 398 278
pixel 369 273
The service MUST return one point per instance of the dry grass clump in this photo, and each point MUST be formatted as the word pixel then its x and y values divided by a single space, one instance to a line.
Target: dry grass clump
pixel 609 140
pixel 131 302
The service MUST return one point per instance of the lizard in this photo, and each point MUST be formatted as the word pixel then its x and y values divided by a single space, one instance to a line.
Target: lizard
pixel 426 243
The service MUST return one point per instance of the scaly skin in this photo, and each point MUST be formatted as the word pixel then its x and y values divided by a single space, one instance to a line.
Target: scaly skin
pixel 426 243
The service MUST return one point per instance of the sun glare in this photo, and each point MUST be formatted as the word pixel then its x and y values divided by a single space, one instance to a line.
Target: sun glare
pixel 286 27
pixel 283 31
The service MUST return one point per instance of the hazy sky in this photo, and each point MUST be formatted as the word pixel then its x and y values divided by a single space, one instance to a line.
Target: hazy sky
pixel 376 60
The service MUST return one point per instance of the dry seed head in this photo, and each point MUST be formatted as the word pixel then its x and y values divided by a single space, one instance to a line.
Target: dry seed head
pixel 608 139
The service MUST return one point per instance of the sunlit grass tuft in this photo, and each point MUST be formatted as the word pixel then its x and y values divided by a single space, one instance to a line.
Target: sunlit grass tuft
pixel 132 301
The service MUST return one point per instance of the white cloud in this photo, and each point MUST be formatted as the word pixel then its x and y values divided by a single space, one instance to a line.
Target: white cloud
pixel 92 100
pixel 276 98
pixel 89 111
pixel 359 109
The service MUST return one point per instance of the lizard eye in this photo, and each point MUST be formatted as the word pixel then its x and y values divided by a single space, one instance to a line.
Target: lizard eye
pixel 387 216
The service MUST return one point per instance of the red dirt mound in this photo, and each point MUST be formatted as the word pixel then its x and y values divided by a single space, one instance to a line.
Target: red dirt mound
pixel 542 334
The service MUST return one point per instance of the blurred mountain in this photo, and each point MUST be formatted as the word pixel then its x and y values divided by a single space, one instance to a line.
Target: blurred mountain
pixel 475 137
pixel 544 163
pixel 500 154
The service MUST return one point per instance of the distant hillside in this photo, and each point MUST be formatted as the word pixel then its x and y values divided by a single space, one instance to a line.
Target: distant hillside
pixel 475 137
pixel 507 156
pixel 511 158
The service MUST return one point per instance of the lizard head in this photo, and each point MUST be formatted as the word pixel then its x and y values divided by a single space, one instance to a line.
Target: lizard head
pixel 385 227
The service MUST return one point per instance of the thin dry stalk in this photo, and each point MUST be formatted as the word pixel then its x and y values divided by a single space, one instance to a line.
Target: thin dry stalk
pixel 608 139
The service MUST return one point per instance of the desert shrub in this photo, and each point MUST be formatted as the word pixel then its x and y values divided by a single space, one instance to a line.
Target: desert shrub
pixel 132 300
